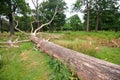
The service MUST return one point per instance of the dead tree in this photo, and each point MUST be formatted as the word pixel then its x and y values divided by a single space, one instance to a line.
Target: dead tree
pixel 36 16
pixel 86 67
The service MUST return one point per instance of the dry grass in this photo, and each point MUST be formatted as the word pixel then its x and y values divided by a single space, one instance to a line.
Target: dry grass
pixel 92 43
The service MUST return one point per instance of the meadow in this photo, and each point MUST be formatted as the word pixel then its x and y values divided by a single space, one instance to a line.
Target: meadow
pixel 104 45
pixel 27 62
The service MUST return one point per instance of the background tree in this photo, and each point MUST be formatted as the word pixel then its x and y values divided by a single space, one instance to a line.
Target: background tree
pixel 1 24
pixel 8 7
pixel 75 23
pixel 35 11
pixel 103 9
pixel 24 22
pixel 103 14
pixel 78 6
pixel 47 10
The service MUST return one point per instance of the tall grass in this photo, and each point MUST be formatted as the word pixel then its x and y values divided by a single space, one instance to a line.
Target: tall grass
pixel 28 63
pixel 90 43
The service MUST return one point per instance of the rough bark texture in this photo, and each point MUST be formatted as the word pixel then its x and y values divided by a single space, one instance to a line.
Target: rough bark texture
pixel 97 23
pixel 1 25
pixel 11 24
pixel 86 67
pixel 88 16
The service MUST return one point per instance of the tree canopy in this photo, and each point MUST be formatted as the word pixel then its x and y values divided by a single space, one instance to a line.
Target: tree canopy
pixel 8 7
pixel 47 10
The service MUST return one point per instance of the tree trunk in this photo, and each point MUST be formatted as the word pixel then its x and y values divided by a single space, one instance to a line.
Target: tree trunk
pixel 51 28
pixel 11 24
pixel 88 15
pixel 1 25
pixel 86 67
pixel 97 23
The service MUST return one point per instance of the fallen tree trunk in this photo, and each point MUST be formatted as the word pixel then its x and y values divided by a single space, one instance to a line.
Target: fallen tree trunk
pixel 86 67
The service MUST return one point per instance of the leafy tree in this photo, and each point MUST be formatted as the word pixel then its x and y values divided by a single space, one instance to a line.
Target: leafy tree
pixel 67 25
pixel 8 7
pixel 24 22
pixel 75 23
pixel 78 7
pixel 103 13
pixel 104 8
pixel 3 24
pixel 47 10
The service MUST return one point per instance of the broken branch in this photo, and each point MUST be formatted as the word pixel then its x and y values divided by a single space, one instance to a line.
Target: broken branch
pixel 16 27
pixel 46 23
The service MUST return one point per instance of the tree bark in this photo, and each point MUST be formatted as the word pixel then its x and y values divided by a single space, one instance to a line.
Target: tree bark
pixel 88 15
pixel 86 67
pixel 97 23
pixel 1 25
pixel 11 24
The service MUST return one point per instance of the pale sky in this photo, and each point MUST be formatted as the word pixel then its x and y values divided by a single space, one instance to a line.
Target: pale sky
pixel 68 12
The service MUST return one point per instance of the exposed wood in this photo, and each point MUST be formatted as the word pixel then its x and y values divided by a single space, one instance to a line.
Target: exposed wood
pixel 16 26
pixel 86 67
pixel 12 43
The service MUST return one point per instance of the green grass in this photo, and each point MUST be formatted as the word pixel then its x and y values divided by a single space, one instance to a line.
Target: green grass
pixel 109 54
pixel 29 63
pixel 23 63
pixel 94 44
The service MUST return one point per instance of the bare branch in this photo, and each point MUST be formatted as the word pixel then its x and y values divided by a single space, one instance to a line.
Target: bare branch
pixel 11 43
pixel 16 27
pixel 23 41
pixel 14 42
pixel 34 3
pixel 32 26
pixel 46 23
pixel 16 39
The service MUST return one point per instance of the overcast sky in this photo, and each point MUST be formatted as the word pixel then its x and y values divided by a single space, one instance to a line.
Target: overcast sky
pixel 68 12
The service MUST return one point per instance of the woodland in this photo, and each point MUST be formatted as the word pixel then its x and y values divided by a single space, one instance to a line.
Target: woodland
pixel 43 44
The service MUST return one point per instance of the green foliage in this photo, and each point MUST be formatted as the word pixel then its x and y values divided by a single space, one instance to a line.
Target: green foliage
pixel 24 22
pixel 105 11
pixel 108 11
pixel 74 23
pixel 80 3
pixel 4 25
pixel 59 72
pixel 109 54
pixel 9 6
pixel 47 10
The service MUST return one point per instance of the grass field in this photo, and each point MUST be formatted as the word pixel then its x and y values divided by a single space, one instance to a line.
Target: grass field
pixel 28 63
pixel 103 45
